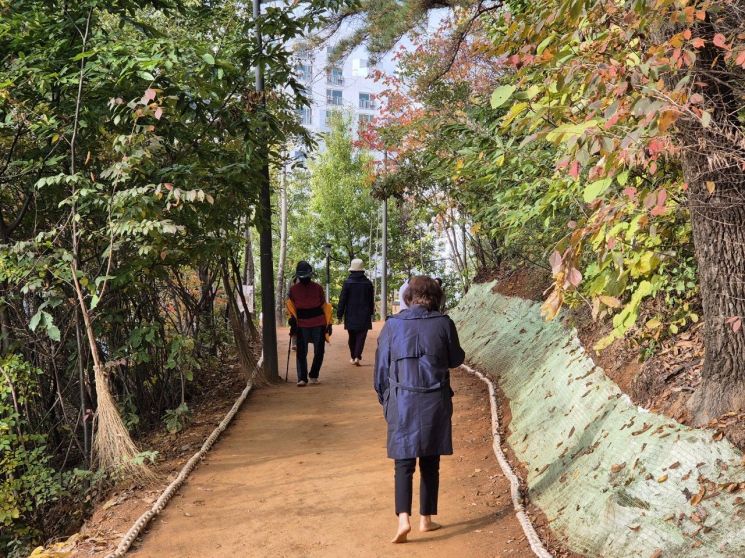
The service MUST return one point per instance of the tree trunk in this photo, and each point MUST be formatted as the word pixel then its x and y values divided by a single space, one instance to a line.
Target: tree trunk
pixel 280 292
pixel 718 220
pixel 248 363
pixel 713 167
pixel 249 268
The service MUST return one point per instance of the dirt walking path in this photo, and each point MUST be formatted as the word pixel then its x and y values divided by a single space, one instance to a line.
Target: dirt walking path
pixel 303 472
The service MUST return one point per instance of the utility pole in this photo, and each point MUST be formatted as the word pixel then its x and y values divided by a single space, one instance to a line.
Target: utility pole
pixel 384 267
pixel 268 322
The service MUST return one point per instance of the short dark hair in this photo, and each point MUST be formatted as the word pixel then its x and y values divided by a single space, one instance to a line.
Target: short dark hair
pixel 423 291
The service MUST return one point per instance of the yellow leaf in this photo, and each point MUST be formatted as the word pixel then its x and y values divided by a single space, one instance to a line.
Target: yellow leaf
pixel 663 478
pixel 654 323
pixel 610 301
pixel 710 186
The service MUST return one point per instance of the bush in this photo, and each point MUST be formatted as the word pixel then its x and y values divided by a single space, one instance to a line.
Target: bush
pixel 27 481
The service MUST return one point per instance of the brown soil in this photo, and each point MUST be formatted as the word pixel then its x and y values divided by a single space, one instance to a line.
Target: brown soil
pixel 120 506
pixel 663 383
pixel 524 282
pixel 303 472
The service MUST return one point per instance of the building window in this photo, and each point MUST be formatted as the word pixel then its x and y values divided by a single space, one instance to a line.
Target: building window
pixel 306 116
pixel 304 71
pixel 359 67
pixel 335 76
pixel 364 121
pixel 329 115
pixel 334 97
pixel 367 101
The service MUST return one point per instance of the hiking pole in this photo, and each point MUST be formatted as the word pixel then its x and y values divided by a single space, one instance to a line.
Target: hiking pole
pixel 289 350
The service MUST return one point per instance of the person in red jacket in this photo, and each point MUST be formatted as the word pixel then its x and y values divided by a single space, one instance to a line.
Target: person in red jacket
pixel 310 325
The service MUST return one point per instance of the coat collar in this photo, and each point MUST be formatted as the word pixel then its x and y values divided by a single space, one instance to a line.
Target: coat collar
pixel 416 312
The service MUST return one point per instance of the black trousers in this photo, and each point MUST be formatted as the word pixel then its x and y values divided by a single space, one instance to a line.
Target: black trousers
pixel 429 484
pixel 307 335
pixel 357 342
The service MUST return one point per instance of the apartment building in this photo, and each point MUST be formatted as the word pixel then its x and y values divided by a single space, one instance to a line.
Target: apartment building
pixel 346 86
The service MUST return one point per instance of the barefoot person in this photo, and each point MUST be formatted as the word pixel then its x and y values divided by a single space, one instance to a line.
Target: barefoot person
pixel 356 307
pixel 416 348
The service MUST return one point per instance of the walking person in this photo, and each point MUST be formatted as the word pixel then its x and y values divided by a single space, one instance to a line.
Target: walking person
pixel 416 349
pixel 356 307
pixel 310 320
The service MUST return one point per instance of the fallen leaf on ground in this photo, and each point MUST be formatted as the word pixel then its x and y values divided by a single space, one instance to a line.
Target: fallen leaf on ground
pixel 698 497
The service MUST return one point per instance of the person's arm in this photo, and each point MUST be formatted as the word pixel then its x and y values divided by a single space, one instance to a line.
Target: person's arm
pixel 456 355
pixel 342 301
pixel 382 363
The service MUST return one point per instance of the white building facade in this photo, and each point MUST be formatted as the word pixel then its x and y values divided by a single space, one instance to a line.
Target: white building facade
pixel 347 86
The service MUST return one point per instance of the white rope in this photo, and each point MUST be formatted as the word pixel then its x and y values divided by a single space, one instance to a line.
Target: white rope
pixel 533 539
pixel 170 491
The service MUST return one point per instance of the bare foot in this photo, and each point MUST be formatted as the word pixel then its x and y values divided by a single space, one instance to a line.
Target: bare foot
pixel 404 527
pixel 426 524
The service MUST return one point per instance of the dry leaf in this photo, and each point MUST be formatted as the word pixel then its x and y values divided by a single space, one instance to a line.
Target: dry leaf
pixel 617 467
pixel 698 497
pixel 657 553
pixel 663 478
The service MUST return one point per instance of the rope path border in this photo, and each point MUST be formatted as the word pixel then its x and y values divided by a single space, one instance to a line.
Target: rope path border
pixel 128 539
pixel 534 540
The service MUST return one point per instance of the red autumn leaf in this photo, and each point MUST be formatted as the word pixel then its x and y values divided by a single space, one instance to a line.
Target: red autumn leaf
pixel 687 34
pixel 149 94
pixel 661 196
pixel 575 277
pixel 697 42
pixel 740 60
pixel 158 113
pixel 630 192
pixel 555 260
pixel 736 325
pixel 574 169
pixel 720 41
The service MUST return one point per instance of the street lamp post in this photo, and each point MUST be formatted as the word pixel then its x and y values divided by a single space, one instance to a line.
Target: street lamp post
pixel 327 247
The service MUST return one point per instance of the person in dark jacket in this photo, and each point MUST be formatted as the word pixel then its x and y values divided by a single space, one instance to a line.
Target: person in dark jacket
pixel 416 349
pixel 310 325
pixel 356 306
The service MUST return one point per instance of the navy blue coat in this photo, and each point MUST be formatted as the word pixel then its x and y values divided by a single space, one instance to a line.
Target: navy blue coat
pixel 416 349
pixel 356 302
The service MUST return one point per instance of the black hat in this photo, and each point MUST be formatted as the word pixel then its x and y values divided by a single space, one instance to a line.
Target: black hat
pixel 303 270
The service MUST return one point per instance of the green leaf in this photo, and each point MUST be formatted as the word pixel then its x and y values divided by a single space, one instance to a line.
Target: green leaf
pixel 595 189
pixel 207 57
pixel 501 95
pixel 53 331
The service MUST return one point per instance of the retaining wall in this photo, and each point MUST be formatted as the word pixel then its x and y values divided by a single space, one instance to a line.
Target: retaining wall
pixel 613 479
